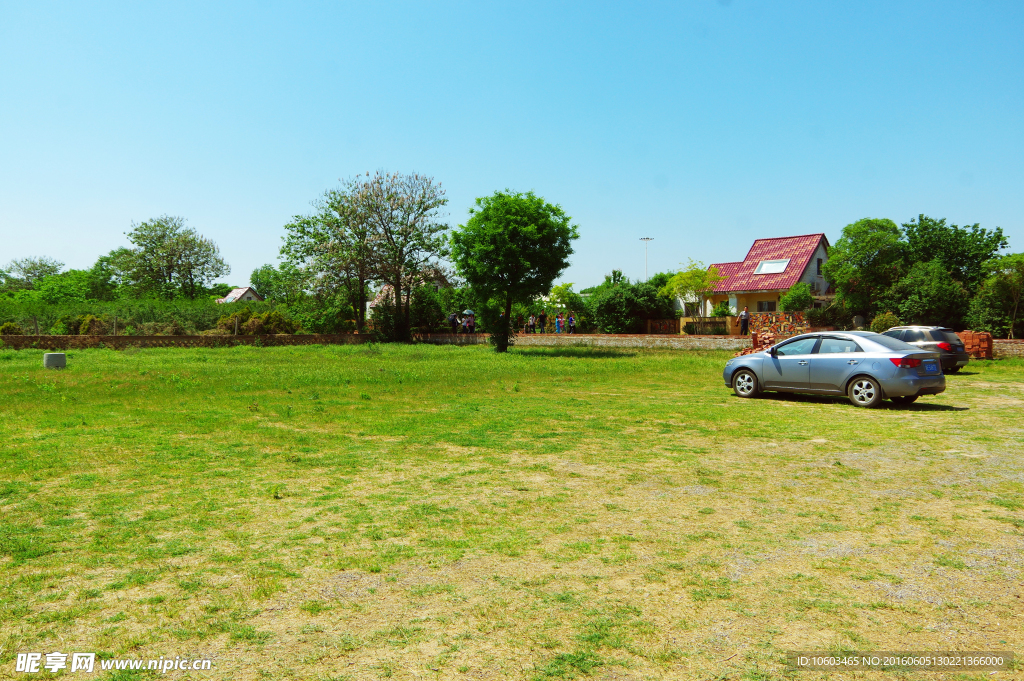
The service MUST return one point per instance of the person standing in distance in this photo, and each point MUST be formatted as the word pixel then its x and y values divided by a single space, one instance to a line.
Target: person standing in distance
pixel 744 321
pixel 542 320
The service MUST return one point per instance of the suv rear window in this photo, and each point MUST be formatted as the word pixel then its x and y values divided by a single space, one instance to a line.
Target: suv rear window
pixel 915 336
pixel 890 343
pixel 940 335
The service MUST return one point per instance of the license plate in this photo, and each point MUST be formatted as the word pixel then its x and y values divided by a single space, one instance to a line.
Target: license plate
pixel 931 368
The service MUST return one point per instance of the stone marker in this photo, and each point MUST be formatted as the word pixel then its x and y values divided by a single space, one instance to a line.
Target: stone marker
pixel 54 360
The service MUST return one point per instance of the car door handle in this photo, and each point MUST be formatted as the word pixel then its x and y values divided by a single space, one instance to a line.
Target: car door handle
pixel 852 361
pixel 803 361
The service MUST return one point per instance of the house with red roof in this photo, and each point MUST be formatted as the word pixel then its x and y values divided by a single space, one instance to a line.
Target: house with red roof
pixel 770 268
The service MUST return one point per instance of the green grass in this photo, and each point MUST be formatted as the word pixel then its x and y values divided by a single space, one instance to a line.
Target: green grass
pixel 375 511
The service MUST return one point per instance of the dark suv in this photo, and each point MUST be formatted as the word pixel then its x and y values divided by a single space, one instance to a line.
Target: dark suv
pixel 937 339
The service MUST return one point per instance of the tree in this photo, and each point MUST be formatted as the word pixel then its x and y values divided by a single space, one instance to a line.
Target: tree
pixel 401 213
pixel 865 262
pixel 928 294
pixel 511 249
pixel 693 285
pixel 997 305
pixel 284 284
pixel 168 259
pixel 624 306
pixel 798 298
pixel 962 251
pixel 336 247
pixel 26 272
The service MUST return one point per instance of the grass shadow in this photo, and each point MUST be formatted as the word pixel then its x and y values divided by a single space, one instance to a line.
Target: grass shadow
pixel 918 406
pixel 836 399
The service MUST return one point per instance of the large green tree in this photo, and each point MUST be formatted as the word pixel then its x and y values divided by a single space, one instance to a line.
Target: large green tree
pixel 927 270
pixel 962 251
pixel 402 214
pixel 168 259
pixel 865 262
pixel 335 249
pixel 511 250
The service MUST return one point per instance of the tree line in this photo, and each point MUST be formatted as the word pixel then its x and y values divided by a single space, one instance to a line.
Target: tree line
pixel 926 271
pixel 384 236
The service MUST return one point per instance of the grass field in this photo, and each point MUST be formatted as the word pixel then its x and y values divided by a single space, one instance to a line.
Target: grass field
pixel 418 512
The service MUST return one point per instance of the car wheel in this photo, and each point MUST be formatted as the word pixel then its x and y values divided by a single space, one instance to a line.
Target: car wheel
pixel 744 383
pixel 908 399
pixel 864 391
pixel 953 370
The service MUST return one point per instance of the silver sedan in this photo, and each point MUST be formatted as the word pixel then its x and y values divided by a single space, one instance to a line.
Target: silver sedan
pixel 866 367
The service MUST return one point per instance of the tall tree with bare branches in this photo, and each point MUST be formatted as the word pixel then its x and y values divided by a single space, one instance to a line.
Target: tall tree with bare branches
pixel 403 213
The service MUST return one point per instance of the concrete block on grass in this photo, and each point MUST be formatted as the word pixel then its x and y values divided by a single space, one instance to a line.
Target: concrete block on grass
pixel 54 360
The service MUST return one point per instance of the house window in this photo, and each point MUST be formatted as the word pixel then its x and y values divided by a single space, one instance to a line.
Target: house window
pixel 772 266
pixel 819 267
pixel 766 306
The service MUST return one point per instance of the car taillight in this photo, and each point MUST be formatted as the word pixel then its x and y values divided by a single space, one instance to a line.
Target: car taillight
pixel 946 346
pixel 905 362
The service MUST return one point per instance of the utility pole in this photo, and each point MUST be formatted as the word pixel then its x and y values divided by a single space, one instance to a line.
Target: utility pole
pixel 646 240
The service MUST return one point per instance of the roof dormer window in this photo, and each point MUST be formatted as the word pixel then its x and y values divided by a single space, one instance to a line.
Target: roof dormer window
pixel 772 266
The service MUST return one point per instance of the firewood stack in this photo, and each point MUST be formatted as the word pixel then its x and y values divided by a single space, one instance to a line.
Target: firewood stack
pixel 978 344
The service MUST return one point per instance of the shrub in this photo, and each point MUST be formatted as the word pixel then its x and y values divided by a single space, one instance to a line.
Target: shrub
pixel 798 298
pixel 723 309
pixel 269 322
pixel 11 329
pixel 884 322
pixel 92 326
pixel 227 322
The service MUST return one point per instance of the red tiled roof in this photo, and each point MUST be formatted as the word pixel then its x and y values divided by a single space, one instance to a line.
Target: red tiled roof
pixel 739 276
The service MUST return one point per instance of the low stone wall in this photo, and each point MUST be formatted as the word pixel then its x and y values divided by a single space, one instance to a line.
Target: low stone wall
pixel 1003 348
pixel 610 340
pixel 122 342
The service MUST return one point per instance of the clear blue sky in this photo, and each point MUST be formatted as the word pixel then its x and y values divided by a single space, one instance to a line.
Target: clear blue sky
pixel 701 124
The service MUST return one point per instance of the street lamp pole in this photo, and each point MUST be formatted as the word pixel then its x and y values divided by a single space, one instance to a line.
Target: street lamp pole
pixel 646 240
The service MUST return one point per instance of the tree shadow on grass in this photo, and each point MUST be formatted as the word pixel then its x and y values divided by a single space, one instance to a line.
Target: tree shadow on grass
pixel 839 399
pixel 582 352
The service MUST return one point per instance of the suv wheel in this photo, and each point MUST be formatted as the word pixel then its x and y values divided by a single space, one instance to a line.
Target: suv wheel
pixel 909 399
pixel 864 391
pixel 744 383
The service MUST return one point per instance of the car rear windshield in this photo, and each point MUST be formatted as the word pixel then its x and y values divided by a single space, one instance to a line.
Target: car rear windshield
pixel 914 336
pixel 891 343
pixel 941 335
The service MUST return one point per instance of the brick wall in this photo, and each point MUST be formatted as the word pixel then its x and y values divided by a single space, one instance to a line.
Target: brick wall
pixel 1002 348
pixel 122 342
pixel 625 340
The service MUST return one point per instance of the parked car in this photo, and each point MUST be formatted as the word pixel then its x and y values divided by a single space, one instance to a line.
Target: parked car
pixel 866 367
pixel 936 339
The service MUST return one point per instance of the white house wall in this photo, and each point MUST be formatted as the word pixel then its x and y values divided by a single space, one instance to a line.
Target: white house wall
pixel 810 276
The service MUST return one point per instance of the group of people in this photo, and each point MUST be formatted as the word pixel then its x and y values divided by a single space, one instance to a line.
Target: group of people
pixel 465 324
pixel 563 323
pixel 534 324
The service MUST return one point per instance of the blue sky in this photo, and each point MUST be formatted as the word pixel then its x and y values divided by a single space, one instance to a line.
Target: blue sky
pixel 704 125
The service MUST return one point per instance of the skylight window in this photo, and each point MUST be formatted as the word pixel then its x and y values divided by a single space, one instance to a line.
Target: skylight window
pixel 772 266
